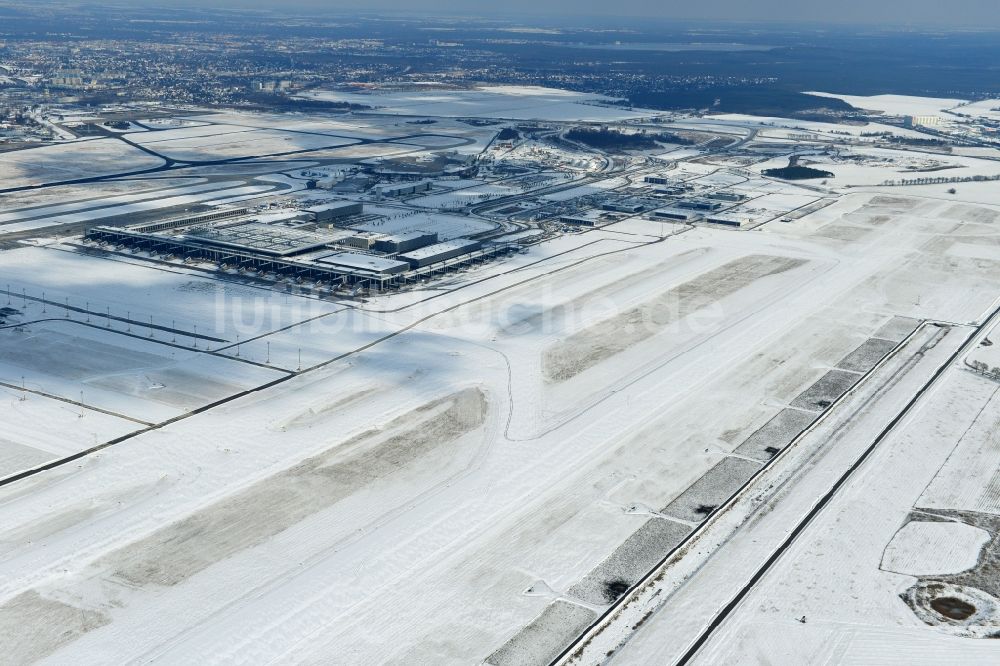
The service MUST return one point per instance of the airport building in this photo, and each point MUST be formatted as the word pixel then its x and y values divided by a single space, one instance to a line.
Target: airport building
pixel 733 197
pixel 291 248
pixel 402 189
pixel 672 190
pixel 395 243
pixel 921 121
pixel 364 262
pixel 438 252
pixel 362 241
pixel 590 218
pixel 738 221
pixel 323 266
pixel 629 206
pixel 677 215
pixel 268 239
pixel 699 204
pixel 330 212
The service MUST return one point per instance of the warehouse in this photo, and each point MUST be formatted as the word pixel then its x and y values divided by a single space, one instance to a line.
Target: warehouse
pixel 725 196
pixel 629 206
pixel 336 210
pixel 364 262
pixel 588 219
pixel 729 220
pixel 672 190
pixel 699 204
pixel 432 254
pixel 682 215
pixel 394 243
pixel 402 189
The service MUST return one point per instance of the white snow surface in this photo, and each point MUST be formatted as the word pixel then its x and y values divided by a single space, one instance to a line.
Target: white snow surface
pixel 414 477
pixel 929 548
pixel 898 105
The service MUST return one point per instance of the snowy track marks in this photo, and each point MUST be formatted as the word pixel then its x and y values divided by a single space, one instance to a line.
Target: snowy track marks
pixel 586 348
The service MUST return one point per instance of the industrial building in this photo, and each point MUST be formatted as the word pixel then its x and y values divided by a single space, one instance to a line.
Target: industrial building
pixel 726 196
pixel 330 212
pixel 681 215
pixel 438 252
pixel 395 243
pixel 591 218
pixel 402 189
pixel 672 190
pixel 699 204
pixel 921 121
pixel 729 220
pixel 629 206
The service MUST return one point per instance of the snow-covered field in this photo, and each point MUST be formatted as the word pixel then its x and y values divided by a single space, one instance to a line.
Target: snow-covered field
pixel 192 186
pixel 462 463
pixel 71 161
pixel 897 105
pixel 174 297
pixel 132 375
pixel 354 126
pixel 136 203
pixel 852 574
pixel 204 147
pixel 213 197
pixel 472 469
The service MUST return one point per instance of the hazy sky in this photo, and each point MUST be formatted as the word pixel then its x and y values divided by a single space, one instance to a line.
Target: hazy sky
pixel 972 13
